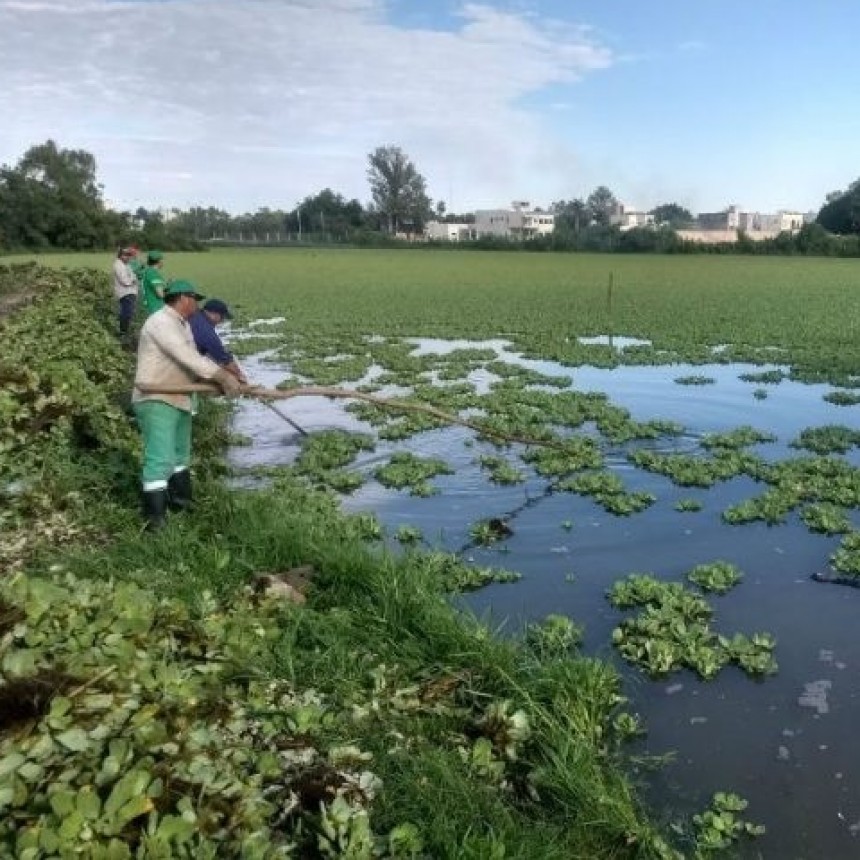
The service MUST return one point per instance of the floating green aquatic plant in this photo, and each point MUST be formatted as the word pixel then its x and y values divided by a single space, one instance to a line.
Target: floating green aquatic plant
pixel 688 470
pixel 607 489
pixel 501 470
pixel 490 531
pixel 826 518
pixel 717 576
pixel 695 379
pixel 324 455
pixel 526 376
pixel 333 371
pixel 740 437
pixel 772 507
pixel 452 574
pixel 767 377
pixel 672 631
pixel 829 439
pixel 846 558
pixel 721 826
pixel 688 505
pixel 405 470
pixel 578 452
pixel 842 398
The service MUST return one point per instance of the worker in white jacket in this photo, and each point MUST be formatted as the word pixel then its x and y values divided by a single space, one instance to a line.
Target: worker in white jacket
pixel 167 358
pixel 125 287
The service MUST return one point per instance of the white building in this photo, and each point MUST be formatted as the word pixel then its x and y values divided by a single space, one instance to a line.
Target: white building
pixel 629 219
pixel 724 226
pixel 519 222
pixel 771 222
pixel 441 231
pixel 728 219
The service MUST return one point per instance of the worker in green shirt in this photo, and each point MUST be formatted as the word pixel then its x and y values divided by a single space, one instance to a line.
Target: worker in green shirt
pixel 154 283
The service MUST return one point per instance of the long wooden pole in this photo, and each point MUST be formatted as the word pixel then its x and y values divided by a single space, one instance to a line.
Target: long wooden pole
pixel 258 392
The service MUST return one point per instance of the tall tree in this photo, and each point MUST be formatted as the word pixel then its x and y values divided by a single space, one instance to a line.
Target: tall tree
pixel 205 223
pixel 672 214
pixel 52 198
pixel 602 206
pixel 331 214
pixel 399 191
pixel 571 216
pixel 841 211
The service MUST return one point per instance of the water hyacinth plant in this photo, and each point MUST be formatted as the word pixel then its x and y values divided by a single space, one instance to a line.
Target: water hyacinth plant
pixel 718 576
pixel 409 471
pixel 672 630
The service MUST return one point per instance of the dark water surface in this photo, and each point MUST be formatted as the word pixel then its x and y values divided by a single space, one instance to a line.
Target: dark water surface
pixel 788 743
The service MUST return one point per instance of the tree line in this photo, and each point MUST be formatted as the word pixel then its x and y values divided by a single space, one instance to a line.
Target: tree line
pixel 52 199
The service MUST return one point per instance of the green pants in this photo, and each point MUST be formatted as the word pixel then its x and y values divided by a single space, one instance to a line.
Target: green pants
pixel 166 441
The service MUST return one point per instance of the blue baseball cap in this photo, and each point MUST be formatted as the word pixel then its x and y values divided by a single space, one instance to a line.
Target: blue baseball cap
pixel 216 306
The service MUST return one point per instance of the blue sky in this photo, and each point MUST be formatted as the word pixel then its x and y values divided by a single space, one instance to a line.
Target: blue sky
pixel 245 103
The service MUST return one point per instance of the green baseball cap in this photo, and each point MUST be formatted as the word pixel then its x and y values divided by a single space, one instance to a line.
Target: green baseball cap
pixel 154 256
pixel 183 288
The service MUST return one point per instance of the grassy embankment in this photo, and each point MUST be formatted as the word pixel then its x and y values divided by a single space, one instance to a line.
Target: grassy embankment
pixel 149 704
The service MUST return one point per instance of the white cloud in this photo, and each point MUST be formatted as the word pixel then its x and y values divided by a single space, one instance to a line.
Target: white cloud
pixel 251 102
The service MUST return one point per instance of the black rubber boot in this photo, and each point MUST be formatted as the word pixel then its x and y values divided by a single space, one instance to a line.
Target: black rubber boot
pixel 154 508
pixel 179 491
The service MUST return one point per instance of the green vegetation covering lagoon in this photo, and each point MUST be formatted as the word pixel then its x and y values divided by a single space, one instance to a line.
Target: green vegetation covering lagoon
pixel 479 743
pixel 749 307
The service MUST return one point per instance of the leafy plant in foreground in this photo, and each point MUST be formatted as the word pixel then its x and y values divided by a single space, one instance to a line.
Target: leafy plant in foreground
pixel 132 737
pixel 408 534
pixel 720 826
pixel 555 636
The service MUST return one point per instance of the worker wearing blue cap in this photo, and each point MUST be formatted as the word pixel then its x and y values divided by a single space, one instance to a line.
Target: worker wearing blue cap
pixel 208 341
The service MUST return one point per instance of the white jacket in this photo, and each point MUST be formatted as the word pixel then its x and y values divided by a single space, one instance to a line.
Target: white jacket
pixel 166 355
pixel 124 281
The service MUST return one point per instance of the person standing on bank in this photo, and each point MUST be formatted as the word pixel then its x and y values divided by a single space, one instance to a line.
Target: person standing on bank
pixel 166 358
pixel 125 290
pixel 207 339
pixel 136 264
pixel 153 283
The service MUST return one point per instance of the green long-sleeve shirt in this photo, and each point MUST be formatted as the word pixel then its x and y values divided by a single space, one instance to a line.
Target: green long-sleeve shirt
pixel 151 286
